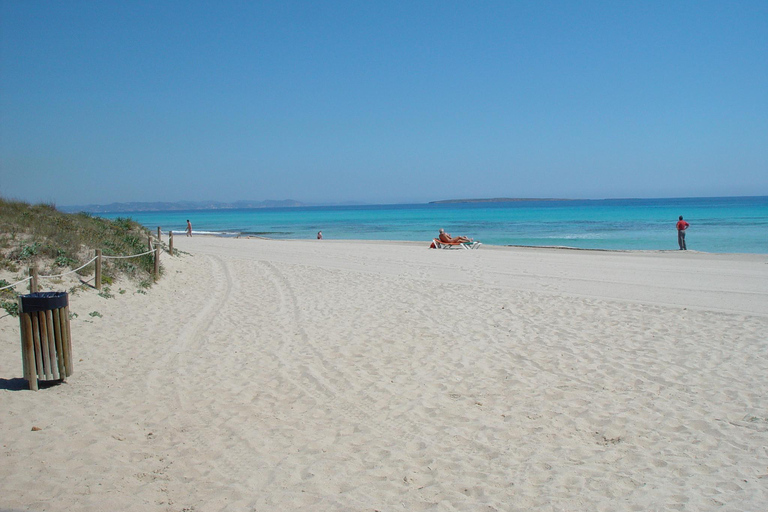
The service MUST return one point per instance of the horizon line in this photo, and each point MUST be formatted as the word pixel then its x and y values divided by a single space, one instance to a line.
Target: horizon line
pixel 302 204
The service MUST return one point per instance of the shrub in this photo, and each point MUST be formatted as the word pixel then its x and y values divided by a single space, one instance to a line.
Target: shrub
pixel 11 307
pixel 106 292
pixel 27 251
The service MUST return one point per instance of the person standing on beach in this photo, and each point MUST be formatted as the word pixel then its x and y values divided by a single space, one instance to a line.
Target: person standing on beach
pixel 319 235
pixel 681 227
pixel 189 228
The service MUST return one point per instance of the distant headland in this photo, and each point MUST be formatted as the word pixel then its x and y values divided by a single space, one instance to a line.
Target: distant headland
pixel 498 200
pixel 178 206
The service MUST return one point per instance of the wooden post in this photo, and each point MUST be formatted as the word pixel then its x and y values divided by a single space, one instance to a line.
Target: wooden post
pixel 98 269
pixel 33 288
pixel 159 234
pixel 55 354
pixel 59 344
pixel 49 347
pixel 66 332
pixel 157 263
pixel 149 242
pixel 38 348
pixel 23 337
pixel 44 344
pixel 24 332
pixel 170 243
pixel 27 348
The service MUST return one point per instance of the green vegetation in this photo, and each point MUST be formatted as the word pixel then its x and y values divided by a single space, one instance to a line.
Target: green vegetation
pixel 7 300
pixel 56 242
pixel 106 292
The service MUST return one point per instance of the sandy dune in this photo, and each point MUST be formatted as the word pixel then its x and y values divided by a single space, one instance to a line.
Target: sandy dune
pixel 327 375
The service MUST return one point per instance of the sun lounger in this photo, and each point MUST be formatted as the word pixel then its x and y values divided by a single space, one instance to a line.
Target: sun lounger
pixel 457 245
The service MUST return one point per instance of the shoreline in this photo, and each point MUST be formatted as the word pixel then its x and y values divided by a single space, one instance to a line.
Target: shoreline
pixel 726 225
pixel 485 246
pixel 696 279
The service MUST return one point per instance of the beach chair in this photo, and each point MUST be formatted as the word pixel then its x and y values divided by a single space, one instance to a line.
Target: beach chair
pixel 458 245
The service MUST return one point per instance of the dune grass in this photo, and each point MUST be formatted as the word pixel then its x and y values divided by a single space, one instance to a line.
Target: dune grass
pixel 55 242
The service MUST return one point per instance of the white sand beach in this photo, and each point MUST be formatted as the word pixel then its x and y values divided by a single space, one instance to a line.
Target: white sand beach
pixel 375 376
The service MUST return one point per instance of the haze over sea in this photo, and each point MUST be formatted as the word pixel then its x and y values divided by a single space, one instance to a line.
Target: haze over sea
pixel 718 224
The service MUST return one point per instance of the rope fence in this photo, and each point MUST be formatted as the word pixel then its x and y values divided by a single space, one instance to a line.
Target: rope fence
pixel 14 284
pixel 154 248
pixel 126 257
pixel 71 271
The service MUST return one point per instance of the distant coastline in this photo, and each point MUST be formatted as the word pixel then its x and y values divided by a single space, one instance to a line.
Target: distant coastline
pixel 178 206
pixel 137 206
pixel 497 200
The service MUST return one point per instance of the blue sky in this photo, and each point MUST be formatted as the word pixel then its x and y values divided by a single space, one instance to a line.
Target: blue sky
pixel 381 102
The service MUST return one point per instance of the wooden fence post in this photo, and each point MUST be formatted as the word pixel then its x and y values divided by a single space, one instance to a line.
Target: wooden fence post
pixel 170 243
pixel 27 348
pixel 159 234
pixel 98 269
pixel 149 242
pixel 157 263
pixel 33 288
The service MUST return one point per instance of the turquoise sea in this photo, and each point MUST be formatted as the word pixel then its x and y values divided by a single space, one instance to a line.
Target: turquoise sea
pixel 718 224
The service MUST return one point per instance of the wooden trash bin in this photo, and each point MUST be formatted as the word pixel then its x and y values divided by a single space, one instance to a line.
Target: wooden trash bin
pixel 46 340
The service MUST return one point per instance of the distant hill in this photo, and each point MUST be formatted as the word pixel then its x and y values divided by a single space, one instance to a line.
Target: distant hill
pixel 178 206
pixel 497 200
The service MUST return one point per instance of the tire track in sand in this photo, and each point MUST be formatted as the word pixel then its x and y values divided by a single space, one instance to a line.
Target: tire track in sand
pixel 331 383
pixel 191 336
pixel 214 436
pixel 302 352
pixel 180 381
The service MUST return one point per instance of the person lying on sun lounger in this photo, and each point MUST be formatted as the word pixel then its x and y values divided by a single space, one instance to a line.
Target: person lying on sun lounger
pixel 447 239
